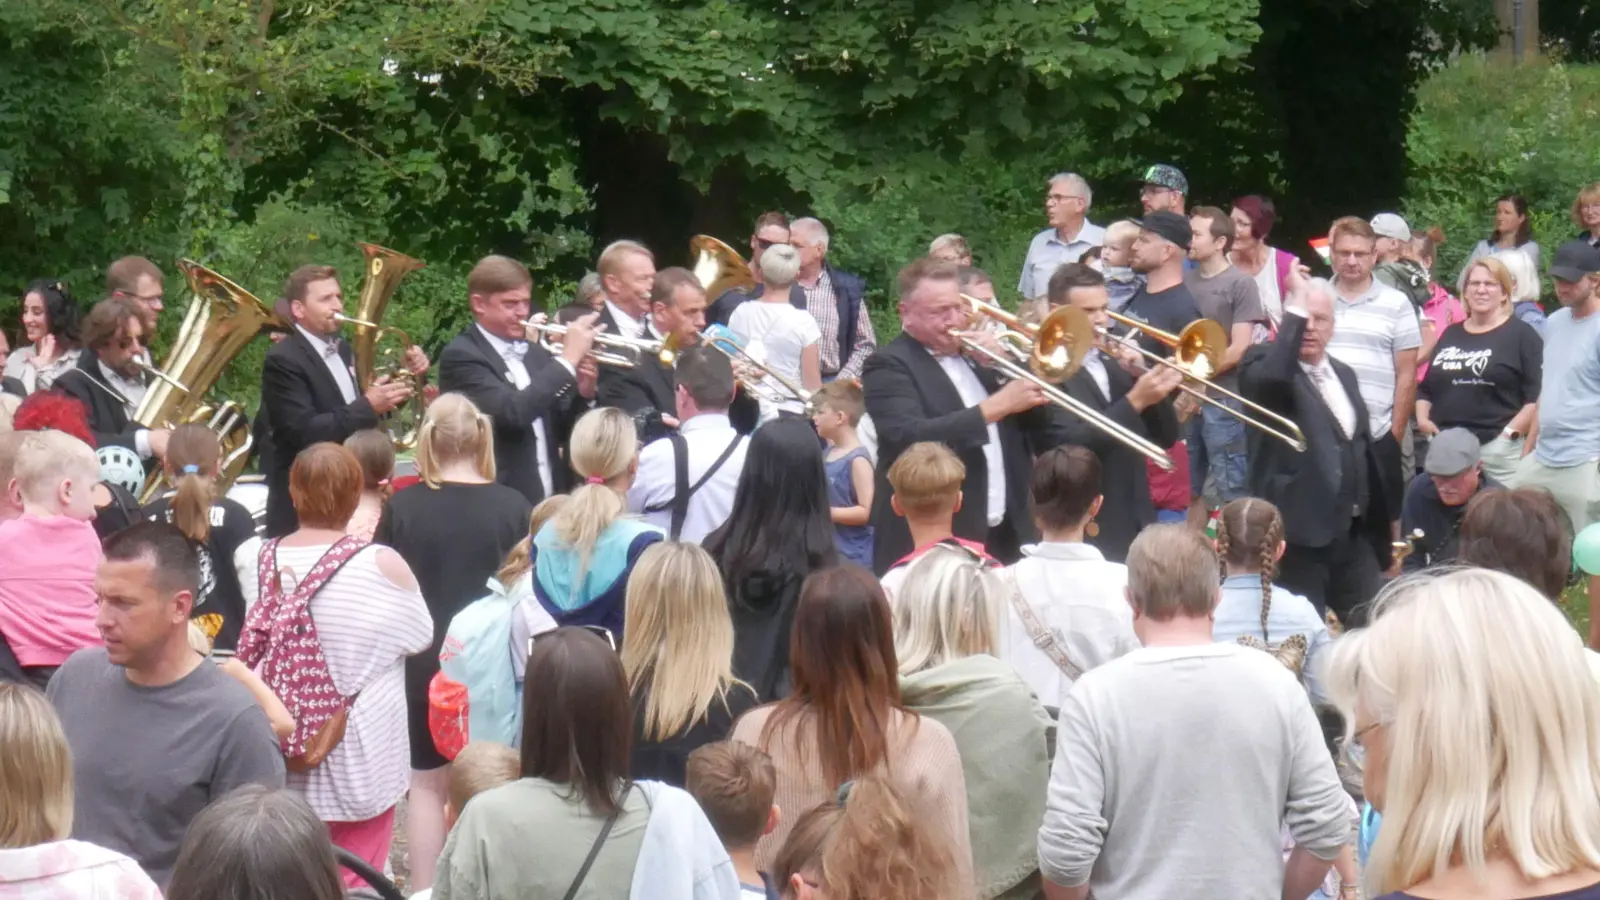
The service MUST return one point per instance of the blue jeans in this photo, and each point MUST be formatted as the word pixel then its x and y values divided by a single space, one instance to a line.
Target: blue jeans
pixel 1217 452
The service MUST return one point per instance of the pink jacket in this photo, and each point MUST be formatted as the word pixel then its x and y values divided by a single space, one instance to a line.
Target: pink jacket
pixel 1444 310
pixel 47 599
pixel 72 869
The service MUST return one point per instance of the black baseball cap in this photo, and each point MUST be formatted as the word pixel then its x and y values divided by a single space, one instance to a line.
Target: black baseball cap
pixel 1575 259
pixel 1167 225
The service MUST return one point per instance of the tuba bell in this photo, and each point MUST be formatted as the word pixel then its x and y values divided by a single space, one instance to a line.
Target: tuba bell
pixel 718 266
pixel 222 318
pixel 384 270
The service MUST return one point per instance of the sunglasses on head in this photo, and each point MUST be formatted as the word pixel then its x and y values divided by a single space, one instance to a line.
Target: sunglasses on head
pixel 596 630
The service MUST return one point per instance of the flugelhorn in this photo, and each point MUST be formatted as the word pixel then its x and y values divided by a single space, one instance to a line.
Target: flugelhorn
pixel 1197 352
pixel 1055 349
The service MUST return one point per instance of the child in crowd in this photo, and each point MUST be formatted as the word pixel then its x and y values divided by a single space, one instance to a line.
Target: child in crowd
pixel 375 451
pixel 734 783
pixel 480 766
pixel 49 555
pixel 1116 262
pixel 927 493
pixel 836 411
pixel 278 715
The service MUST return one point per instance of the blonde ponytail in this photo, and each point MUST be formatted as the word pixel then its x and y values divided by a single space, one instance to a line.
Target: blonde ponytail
pixel 604 446
pixel 193 454
pixel 453 430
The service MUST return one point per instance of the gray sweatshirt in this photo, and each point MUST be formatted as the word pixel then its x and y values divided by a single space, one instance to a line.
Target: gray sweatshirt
pixel 1175 768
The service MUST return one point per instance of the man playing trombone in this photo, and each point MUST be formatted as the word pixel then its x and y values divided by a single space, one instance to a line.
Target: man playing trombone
pixel 532 395
pixel 919 387
pixel 1110 381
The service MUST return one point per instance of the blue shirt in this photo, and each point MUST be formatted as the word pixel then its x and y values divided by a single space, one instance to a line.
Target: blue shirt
pixel 1239 614
pixel 1569 404
pixel 1048 251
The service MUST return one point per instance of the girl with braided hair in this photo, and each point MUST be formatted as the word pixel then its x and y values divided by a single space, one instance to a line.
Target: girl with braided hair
pixel 1254 611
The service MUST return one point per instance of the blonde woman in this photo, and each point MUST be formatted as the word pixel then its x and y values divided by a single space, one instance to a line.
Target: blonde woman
pixel 454 529
pixel 582 558
pixel 947 632
pixel 37 859
pixel 679 660
pixel 1472 713
pixel 1524 287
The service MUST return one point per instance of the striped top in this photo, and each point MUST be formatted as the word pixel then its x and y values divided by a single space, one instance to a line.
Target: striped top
pixel 1367 332
pixel 368 626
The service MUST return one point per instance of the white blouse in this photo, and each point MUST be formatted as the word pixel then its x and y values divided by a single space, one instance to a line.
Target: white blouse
pixel 19 365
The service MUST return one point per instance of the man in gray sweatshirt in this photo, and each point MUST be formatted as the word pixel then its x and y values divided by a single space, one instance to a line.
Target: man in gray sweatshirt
pixel 1176 763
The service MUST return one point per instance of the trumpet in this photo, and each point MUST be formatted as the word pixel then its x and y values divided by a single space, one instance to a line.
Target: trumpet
pixel 619 352
pixel 1055 349
pixel 1197 352
pixel 781 388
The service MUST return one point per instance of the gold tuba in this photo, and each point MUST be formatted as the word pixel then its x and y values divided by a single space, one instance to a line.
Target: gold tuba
pixel 719 267
pixel 222 318
pixel 385 269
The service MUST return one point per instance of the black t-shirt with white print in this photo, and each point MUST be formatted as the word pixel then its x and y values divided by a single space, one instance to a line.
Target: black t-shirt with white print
pixel 220 595
pixel 1481 381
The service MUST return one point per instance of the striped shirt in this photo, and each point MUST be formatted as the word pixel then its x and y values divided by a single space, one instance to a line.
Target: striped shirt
pixel 368 626
pixel 1367 332
pixel 823 305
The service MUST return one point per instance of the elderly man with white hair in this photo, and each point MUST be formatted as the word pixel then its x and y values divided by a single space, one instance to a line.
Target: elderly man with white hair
pixel 836 300
pixel 1335 515
pixel 1070 235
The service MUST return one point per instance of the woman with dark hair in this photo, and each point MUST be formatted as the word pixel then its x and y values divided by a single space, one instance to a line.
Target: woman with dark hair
pixel 596 828
pixel 50 336
pixel 846 719
pixel 764 557
pixel 1513 230
pixel 257 843
pixel 1253 217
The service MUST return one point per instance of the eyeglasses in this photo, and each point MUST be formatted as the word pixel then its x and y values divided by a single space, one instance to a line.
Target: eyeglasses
pixel 596 630
pixel 765 244
pixel 1060 198
pixel 1355 750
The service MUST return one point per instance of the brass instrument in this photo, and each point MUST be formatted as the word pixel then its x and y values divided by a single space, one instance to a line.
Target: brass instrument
pixel 719 338
pixel 384 270
pixel 1055 349
pixel 619 352
pixel 1405 548
pixel 718 266
pixel 1197 352
pixel 221 319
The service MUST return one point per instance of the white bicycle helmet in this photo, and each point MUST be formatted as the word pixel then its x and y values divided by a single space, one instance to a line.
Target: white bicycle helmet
pixel 122 467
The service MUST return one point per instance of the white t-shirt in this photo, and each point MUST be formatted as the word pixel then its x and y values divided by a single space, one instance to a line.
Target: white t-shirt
pixel 776 333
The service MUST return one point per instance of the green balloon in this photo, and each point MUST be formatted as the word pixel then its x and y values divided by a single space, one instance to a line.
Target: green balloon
pixel 1586 550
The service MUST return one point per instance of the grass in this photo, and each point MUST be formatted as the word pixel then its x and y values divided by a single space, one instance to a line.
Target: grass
pixel 1575 603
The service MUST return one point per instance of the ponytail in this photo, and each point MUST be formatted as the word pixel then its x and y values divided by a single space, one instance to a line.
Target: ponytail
pixel 604 447
pixel 454 429
pixel 193 454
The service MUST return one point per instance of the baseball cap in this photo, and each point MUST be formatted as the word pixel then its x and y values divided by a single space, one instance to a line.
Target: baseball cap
pixel 1168 225
pixel 1451 452
pixel 1575 259
pixel 1390 225
pixel 1163 175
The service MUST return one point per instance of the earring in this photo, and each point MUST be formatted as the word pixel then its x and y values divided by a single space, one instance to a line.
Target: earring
pixel 1091 530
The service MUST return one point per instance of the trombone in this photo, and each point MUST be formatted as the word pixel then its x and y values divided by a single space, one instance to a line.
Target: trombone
pixel 1197 352
pixel 720 338
pixel 1055 349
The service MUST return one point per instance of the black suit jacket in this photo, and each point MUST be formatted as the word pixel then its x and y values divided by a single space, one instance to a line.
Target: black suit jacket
pixel 108 416
pixel 1305 486
pixel 911 399
pixel 649 390
pixel 470 365
pixel 303 406
pixel 1127 507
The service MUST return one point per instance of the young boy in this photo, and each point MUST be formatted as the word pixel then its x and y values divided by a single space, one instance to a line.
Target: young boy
pixel 1116 261
pixel 927 493
pixel 836 411
pixel 734 784
pixel 480 766
pixel 49 554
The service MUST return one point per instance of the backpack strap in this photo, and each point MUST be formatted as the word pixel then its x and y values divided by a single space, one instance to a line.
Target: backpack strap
pixel 328 566
pixel 683 491
pixel 1042 636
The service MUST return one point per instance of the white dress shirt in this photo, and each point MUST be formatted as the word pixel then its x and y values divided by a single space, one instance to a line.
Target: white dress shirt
pixel 1333 394
pixel 512 353
pixel 328 347
pixel 707 437
pixel 132 391
pixel 972 393
pixel 630 327
pixel 1095 365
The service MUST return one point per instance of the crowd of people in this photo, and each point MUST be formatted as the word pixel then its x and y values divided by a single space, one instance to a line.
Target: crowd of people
pixel 820 617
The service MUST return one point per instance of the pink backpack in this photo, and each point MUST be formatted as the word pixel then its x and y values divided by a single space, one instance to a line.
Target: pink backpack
pixel 280 643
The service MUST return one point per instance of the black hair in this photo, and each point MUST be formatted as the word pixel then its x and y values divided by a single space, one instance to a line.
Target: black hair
pixel 1069 276
pixel 1525 230
pixel 783 471
pixel 61 311
pixel 708 376
pixel 176 564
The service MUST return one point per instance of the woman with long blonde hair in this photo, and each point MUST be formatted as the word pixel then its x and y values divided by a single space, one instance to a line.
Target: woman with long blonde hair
pixel 582 558
pixel 37 857
pixel 679 660
pixel 1472 714
pixel 454 528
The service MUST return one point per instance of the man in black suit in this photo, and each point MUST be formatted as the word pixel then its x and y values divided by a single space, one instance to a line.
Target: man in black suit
pixel 109 379
pixel 920 388
pixel 627 273
pixel 1335 519
pixel 532 396
pixel 308 386
pixel 1144 406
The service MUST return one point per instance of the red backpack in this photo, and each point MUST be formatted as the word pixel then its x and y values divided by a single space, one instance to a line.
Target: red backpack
pixel 280 643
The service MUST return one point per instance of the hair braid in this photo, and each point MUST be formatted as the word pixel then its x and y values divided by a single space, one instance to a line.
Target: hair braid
pixel 1269 565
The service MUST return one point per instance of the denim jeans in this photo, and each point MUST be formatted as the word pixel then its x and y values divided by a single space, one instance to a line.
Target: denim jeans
pixel 1217 451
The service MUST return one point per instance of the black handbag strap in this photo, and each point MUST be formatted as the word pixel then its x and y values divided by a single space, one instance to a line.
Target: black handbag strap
pixel 588 861
pixel 679 504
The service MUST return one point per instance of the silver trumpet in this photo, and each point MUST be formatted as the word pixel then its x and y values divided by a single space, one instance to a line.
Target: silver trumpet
pixel 609 349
